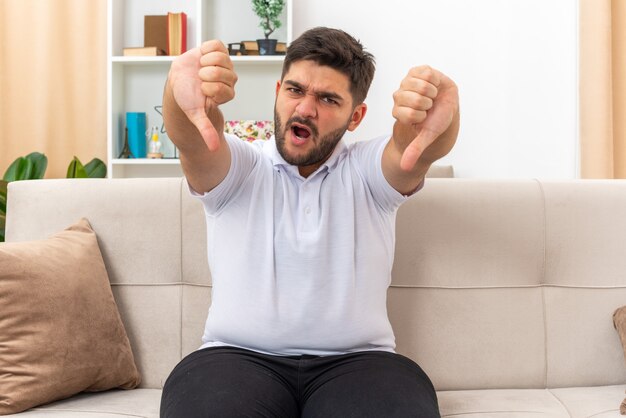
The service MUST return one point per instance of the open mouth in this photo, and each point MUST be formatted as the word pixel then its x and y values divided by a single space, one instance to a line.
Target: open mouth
pixel 300 132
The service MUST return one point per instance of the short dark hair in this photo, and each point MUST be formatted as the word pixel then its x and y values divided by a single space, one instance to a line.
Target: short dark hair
pixel 336 49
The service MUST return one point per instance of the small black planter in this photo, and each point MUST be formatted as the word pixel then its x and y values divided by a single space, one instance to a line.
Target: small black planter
pixel 267 46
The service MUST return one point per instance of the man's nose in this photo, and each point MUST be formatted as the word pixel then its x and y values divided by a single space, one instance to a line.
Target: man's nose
pixel 307 107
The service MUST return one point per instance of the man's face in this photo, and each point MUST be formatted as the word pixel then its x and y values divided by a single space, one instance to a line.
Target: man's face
pixel 313 110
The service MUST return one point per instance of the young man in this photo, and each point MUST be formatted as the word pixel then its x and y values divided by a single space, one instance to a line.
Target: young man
pixel 302 235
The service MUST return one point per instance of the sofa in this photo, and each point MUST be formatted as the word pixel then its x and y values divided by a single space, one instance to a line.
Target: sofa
pixel 502 290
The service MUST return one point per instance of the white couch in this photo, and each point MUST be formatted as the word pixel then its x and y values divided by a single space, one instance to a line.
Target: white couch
pixel 503 291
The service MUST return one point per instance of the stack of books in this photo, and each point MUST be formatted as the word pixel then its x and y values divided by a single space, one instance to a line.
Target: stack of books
pixel 252 48
pixel 163 35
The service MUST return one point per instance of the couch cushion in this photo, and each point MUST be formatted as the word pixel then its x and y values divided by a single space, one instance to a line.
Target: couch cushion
pixel 497 403
pixel 440 171
pixel 472 338
pixel 60 330
pixel 601 401
pixel 452 234
pixel 138 403
pixel 597 402
pixel 582 346
pixel 554 403
pixel 132 216
pixel 585 227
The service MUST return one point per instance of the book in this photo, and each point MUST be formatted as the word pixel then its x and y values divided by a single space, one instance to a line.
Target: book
pixel 234 48
pixel 155 31
pixel 176 33
pixel 249 48
pixel 147 51
pixel 281 48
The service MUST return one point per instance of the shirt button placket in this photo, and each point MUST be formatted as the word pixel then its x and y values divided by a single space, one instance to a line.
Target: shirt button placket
pixel 306 198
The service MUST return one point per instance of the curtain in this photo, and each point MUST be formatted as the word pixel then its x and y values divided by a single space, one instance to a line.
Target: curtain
pixel 602 88
pixel 53 81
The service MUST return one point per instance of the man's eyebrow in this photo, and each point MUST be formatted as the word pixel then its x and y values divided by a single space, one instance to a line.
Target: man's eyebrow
pixel 328 94
pixel 294 84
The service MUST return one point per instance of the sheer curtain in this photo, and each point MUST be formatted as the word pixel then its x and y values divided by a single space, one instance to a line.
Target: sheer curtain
pixel 603 88
pixel 53 81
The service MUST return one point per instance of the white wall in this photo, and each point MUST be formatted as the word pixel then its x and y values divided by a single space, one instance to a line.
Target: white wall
pixel 515 62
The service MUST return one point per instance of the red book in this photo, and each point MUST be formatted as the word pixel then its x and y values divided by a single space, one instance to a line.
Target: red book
pixel 176 33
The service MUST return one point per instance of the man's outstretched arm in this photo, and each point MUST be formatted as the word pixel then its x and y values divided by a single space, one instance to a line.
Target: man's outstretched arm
pixel 198 82
pixel 426 109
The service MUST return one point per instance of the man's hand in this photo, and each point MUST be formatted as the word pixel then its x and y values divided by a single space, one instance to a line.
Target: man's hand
pixel 426 109
pixel 202 79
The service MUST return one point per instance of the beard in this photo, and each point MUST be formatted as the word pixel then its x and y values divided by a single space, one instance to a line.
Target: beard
pixel 324 146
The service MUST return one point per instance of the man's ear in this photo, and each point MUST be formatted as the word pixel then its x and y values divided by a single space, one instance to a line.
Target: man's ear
pixel 277 87
pixel 357 116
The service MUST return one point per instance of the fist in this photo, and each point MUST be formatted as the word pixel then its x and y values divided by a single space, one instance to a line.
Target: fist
pixel 216 73
pixel 424 107
pixel 416 95
pixel 202 79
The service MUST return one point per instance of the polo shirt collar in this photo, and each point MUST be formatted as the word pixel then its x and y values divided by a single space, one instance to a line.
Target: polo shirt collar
pixel 271 151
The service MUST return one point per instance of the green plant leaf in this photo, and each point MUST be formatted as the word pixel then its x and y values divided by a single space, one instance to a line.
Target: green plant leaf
pixel 40 163
pixel 96 169
pixel 3 221
pixel 3 197
pixel 20 169
pixel 76 170
pixel 268 11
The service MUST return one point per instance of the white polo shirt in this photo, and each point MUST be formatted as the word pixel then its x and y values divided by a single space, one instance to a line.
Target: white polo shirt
pixel 301 265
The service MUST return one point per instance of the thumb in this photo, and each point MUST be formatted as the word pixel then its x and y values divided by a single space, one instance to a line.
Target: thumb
pixel 414 150
pixel 206 129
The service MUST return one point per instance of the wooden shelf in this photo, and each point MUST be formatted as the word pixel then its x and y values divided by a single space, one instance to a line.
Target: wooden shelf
pixel 252 59
pixel 145 161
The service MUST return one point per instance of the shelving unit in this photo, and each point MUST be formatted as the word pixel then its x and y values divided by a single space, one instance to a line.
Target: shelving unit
pixel 135 84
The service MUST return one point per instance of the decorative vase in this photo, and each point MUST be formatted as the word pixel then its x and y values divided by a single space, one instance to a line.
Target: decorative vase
pixel 136 124
pixel 267 46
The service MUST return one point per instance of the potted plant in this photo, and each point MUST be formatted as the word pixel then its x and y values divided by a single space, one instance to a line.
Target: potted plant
pixel 269 11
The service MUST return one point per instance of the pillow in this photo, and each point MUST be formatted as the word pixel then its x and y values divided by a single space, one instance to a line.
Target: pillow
pixel 60 330
pixel 250 130
pixel 619 321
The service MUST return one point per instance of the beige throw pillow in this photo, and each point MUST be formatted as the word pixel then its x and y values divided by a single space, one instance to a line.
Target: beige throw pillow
pixel 60 330
pixel 619 320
